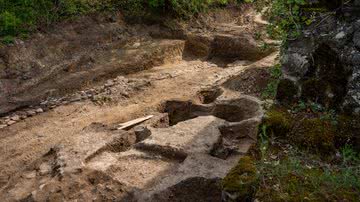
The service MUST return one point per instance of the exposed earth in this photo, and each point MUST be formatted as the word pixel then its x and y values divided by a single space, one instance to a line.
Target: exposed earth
pixel 65 92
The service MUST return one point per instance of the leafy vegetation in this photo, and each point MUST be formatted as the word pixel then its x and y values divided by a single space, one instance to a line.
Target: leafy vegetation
pixel 22 16
pixel 271 89
pixel 288 17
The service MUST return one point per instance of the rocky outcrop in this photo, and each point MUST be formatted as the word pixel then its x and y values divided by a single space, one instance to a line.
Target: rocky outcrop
pixel 323 65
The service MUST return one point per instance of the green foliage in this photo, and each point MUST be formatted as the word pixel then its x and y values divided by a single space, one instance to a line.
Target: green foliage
pixel 8 40
pixel 9 23
pixel 271 89
pixel 308 106
pixel 285 17
pixel 184 8
pixel 20 16
pixel 349 156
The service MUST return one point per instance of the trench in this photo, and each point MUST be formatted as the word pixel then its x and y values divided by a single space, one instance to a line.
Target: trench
pixel 234 110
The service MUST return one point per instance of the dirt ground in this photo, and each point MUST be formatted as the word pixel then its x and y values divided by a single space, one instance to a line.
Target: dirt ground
pixel 25 145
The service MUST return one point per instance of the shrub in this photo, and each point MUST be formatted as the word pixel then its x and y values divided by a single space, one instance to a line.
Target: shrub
pixel 21 16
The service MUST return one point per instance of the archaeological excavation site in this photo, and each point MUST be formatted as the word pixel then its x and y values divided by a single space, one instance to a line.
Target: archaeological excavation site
pixel 179 101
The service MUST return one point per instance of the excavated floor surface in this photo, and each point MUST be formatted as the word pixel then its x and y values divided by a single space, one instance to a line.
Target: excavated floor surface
pixel 203 122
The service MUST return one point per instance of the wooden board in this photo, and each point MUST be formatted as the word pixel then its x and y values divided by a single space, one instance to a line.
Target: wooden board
pixel 134 122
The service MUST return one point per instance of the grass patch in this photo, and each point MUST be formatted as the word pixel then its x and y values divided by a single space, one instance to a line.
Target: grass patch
pixel 271 89
pixel 289 174
pixel 23 16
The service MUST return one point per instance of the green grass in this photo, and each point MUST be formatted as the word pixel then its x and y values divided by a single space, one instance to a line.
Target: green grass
pixel 271 89
pixel 288 174
pixel 23 16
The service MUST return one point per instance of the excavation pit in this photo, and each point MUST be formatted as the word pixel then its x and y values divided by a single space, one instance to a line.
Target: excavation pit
pixel 235 110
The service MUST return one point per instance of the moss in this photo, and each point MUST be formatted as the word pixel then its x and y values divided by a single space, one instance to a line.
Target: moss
pixel 315 91
pixel 348 131
pixel 315 134
pixel 278 122
pixel 312 132
pixel 241 182
pixel 286 92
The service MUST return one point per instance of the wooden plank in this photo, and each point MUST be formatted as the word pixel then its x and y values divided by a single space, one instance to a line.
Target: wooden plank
pixel 134 122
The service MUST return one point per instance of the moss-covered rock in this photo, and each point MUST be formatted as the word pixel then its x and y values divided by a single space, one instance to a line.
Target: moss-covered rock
pixel 278 122
pixel 313 131
pixel 241 182
pixel 315 134
pixel 348 131
pixel 315 91
pixel 286 92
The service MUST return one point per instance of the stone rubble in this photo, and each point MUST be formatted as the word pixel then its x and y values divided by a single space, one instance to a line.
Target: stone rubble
pixel 113 89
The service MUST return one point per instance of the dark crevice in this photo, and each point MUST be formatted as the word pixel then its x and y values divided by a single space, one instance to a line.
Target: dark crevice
pixel 230 110
pixel 326 80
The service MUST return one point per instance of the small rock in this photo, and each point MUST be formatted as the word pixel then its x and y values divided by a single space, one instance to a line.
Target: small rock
pixel 82 93
pixel 109 83
pixel 141 132
pixel 136 45
pixel 90 91
pixel 33 195
pixel 3 126
pixel 31 113
pixel 15 118
pixel 29 175
pixel 125 94
pixel 340 35
pixel 11 122
pixel 42 186
pixel 76 98
pixel 44 103
pixel 44 169
pixel 39 110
